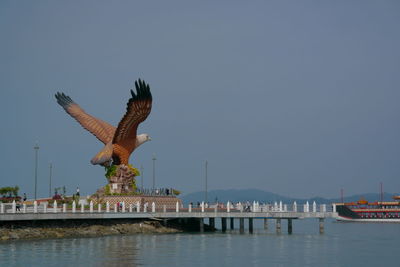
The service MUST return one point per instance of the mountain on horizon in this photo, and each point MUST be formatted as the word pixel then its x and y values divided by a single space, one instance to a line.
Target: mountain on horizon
pixel 242 195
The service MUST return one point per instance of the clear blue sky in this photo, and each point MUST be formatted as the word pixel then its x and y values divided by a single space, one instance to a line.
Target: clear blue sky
pixel 294 97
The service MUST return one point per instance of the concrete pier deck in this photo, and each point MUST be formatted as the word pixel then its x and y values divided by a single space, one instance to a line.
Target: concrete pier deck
pixel 9 213
pixel 160 215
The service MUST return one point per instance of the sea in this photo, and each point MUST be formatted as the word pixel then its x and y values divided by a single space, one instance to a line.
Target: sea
pixel 342 244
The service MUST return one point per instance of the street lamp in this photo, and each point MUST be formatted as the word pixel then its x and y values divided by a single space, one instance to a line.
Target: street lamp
pixel 51 168
pixel 154 171
pixel 141 177
pixel 36 147
pixel 206 181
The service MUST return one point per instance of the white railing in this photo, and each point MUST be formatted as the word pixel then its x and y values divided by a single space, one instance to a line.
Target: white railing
pixel 255 206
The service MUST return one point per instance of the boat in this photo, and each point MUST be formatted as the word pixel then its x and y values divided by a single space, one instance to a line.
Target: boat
pixel 364 211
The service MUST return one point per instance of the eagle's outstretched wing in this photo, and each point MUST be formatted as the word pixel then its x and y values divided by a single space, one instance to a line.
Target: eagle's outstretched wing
pixel 101 129
pixel 137 110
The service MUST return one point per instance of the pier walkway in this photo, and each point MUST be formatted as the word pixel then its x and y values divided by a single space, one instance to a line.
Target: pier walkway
pixel 9 213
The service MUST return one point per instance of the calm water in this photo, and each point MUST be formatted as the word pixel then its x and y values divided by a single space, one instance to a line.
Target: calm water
pixel 343 244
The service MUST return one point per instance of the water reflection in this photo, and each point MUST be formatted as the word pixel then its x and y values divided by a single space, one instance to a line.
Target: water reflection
pixel 305 247
pixel 118 251
pixel 104 251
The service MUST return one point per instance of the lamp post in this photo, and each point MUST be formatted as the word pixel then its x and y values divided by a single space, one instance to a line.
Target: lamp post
pixel 51 168
pixel 141 177
pixel 154 171
pixel 36 147
pixel 206 181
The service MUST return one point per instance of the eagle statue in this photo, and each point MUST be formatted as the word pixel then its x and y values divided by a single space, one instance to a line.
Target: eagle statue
pixel 119 142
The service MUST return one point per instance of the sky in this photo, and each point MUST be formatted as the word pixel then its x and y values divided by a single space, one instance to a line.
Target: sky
pixel 299 98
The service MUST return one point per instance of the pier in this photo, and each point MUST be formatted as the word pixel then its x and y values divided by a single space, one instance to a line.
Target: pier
pixel 238 212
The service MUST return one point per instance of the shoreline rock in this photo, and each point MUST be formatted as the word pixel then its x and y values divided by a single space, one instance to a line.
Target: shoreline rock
pixel 67 229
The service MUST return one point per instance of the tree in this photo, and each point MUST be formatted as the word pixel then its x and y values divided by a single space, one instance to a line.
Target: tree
pixel 15 190
pixel 9 191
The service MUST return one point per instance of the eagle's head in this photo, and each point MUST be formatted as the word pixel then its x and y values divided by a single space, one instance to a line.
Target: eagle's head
pixel 142 138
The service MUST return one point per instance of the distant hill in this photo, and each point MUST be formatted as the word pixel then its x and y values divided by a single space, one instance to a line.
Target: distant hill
pixel 236 195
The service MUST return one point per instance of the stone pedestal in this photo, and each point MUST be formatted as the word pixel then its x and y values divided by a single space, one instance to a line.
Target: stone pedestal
pixel 122 181
pixel 121 188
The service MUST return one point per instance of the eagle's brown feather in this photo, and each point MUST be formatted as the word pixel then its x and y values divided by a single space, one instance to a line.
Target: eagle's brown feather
pixel 99 128
pixel 137 110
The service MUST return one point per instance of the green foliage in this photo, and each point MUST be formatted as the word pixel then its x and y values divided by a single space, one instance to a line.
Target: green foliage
pixel 176 192
pixel 134 187
pixel 4 191
pixel 15 191
pixel 10 191
pixel 107 190
pixel 111 171
pixel 134 170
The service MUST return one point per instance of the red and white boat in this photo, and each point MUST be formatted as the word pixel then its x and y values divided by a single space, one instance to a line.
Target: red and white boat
pixel 364 211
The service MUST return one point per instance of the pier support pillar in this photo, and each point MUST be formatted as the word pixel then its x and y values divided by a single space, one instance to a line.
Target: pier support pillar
pixel 165 222
pixel 241 225
pixel 321 225
pixel 201 223
pixel 212 222
pixel 250 225
pixel 265 223
pixel 232 223
pixel 223 224
pixel 278 226
pixel 290 226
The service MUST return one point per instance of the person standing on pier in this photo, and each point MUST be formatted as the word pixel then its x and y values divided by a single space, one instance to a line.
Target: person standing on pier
pixel 18 206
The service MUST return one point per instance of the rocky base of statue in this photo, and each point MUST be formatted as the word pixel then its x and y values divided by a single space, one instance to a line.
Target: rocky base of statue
pixel 121 180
